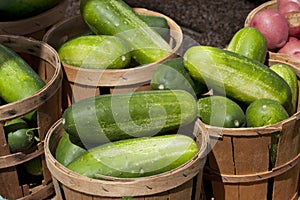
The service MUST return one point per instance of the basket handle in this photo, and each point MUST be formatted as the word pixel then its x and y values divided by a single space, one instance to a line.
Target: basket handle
pixel 253 177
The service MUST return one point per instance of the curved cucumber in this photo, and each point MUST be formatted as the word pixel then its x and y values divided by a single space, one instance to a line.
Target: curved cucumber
pixel 17 79
pixel 249 42
pixel 115 17
pixel 236 76
pixel 291 78
pixel 112 117
pixel 137 157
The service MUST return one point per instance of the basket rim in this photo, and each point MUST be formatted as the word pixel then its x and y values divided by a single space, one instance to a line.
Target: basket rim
pixel 8 111
pixel 106 188
pixel 117 77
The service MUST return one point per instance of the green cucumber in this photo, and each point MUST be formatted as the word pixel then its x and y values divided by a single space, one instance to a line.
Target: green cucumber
pixel 171 75
pixel 159 24
pixel 221 111
pixel 34 166
pixel 20 140
pixel 137 157
pixel 290 77
pixel 249 42
pixel 17 79
pixel 264 112
pixel 18 9
pixel 95 52
pixel 14 125
pixel 112 117
pixel 236 76
pixel 66 152
pixel 115 17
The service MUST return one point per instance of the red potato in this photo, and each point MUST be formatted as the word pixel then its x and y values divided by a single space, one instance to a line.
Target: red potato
pixel 283 2
pixel 273 26
pixel 289 7
pixel 292 49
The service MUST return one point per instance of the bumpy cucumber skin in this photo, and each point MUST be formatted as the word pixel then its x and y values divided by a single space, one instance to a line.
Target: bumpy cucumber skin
pixel 18 9
pixel 249 42
pixel 221 111
pixel 115 17
pixel 137 157
pixel 290 77
pixel 95 52
pixel 66 152
pixel 171 75
pixel 112 117
pixel 236 76
pixel 17 79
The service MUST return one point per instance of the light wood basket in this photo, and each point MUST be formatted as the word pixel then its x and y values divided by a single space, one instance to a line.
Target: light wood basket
pixel 45 61
pixel 184 182
pixel 35 26
pixel 238 164
pixel 82 83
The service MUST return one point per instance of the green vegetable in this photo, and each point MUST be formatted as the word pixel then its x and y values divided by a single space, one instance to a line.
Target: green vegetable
pixel 19 9
pixel 112 117
pixel 137 157
pixel 291 78
pixel 15 125
pixel 236 76
pixel 221 111
pixel 264 112
pixel 66 151
pixel 115 17
pixel 95 52
pixel 249 42
pixel 20 140
pixel 171 75
pixel 17 79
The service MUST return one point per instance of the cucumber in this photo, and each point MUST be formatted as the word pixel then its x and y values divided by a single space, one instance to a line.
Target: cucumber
pixel 17 79
pixel 290 77
pixel 18 9
pixel 171 75
pixel 20 140
pixel 14 125
pixel 34 167
pixel 157 23
pixel 221 111
pixel 112 117
pixel 115 17
pixel 66 151
pixel 249 42
pixel 236 76
pixel 137 157
pixel 264 112
pixel 95 52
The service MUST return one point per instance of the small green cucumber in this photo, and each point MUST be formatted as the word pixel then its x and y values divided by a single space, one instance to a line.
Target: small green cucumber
pixel 115 17
pixel 264 112
pixel 236 76
pixel 112 117
pixel 290 77
pixel 221 111
pixel 171 75
pixel 159 24
pixel 137 157
pixel 17 79
pixel 66 152
pixel 15 125
pixel 20 140
pixel 95 52
pixel 249 42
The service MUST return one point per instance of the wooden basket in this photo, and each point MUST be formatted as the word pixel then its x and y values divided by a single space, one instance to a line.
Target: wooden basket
pixel 83 83
pixel 45 61
pixel 182 183
pixel 238 164
pixel 37 25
